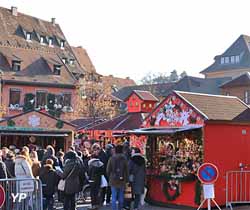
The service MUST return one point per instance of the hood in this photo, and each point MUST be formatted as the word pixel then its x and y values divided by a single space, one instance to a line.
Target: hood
pixel 50 151
pixel 95 162
pixel 20 158
pixel 70 155
pixel 46 168
pixel 138 159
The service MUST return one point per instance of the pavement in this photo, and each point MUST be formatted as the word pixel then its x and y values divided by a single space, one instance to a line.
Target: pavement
pixel 149 207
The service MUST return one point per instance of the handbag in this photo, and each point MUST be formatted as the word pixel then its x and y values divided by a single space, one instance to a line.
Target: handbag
pixel 104 182
pixel 62 182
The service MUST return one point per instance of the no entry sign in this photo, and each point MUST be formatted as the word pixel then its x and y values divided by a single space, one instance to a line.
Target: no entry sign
pixel 2 196
pixel 207 173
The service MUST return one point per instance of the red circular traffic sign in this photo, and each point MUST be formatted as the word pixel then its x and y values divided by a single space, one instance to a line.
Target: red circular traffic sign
pixel 2 196
pixel 208 173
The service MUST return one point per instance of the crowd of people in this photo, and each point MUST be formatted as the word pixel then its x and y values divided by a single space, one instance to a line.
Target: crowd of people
pixel 116 174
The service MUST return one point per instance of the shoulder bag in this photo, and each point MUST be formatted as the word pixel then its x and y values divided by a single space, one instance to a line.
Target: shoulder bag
pixel 61 184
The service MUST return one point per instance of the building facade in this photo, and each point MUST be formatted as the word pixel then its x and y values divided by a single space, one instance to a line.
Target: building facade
pixel 38 67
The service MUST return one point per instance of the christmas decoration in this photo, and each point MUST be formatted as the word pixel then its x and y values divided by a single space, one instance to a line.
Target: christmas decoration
pixel 11 123
pixel 59 124
pixel 171 190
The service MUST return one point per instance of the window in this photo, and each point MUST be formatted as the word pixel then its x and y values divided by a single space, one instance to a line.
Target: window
pixel 59 99
pixel 237 59
pixel 16 65
pixel 28 36
pixel 62 44
pixel 42 40
pixel 57 69
pixel 144 105
pixel 226 59
pixel 41 98
pixel 136 103
pixel 150 105
pixel 246 96
pixel 71 61
pixel 64 60
pixel 131 104
pixel 232 59
pixel 67 99
pixel 15 96
pixel 51 43
pixel 222 60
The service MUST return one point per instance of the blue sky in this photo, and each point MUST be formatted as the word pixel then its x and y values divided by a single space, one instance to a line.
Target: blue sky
pixel 133 37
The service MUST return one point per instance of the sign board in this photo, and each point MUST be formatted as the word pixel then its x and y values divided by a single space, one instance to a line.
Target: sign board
pixel 208 190
pixel 27 186
pixel 207 173
pixel 2 196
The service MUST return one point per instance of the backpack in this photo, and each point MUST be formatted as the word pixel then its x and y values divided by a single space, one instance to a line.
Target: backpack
pixel 118 174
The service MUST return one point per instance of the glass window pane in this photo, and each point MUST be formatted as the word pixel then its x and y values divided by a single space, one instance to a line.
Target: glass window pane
pixel 15 96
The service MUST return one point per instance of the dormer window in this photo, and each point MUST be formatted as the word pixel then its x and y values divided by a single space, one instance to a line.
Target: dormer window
pixel 57 70
pixel 51 42
pixel 28 36
pixel 64 60
pixel 62 44
pixel 237 59
pixel 71 61
pixel 16 65
pixel 42 40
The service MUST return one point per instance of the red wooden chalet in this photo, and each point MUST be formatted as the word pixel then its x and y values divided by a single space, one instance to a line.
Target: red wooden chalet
pixel 186 130
pixel 139 104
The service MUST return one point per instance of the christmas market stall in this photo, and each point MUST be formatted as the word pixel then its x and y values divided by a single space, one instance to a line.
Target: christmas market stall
pixel 36 130
pixel 186 130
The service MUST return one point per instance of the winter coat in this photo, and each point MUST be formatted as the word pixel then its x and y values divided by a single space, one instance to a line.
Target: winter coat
pixel 110 170
pixel 50 154
pixel 10 167
pixel 71 175
pixel 49 179
pixel 22 168
pixel 137 170
pixel 36 166
pixel 3 173
pixel 95 170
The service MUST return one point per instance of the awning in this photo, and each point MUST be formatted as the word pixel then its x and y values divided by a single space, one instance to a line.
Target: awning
pixel 162 131
pixel 34 134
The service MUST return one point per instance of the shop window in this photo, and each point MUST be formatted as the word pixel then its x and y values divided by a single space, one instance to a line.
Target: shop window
pixel 16 65
pixel 15 96
pixel 41 98
pixel 67 99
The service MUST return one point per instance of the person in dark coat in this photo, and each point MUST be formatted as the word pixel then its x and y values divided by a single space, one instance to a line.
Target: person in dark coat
pixel 3 172
pixel 10 164
pixel 49 179
pixel 95 171
pixel 137 171
pixel 50 154
pixel 71 174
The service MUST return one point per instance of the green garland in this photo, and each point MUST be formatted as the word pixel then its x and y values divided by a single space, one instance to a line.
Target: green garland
pixel 11 123
pixel 197 198
pixel 166 186
pixel 59 124
pixel 29 102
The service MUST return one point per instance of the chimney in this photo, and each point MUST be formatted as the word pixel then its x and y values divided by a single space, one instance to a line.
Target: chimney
pixel 14 11
pixel 53 21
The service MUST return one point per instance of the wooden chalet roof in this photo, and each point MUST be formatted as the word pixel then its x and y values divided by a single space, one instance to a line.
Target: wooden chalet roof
pixel 214 107
pixel 126 121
